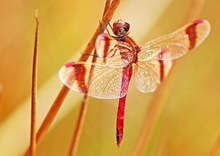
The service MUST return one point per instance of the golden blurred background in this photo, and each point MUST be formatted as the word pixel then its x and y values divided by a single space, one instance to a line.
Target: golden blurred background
pixel 188 122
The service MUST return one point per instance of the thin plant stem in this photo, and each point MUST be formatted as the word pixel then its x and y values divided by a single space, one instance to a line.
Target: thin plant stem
pixel 144 137
pixel 64 90
pixel 83 109
pixel 78 129
pixel 81 118
pixel 215 148
pixel 34 91
pixel 105 20
pixel 107 4
pixel 52 112
pixel 146 131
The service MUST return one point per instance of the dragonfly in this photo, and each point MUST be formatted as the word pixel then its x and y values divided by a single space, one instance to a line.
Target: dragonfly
pixel 119 56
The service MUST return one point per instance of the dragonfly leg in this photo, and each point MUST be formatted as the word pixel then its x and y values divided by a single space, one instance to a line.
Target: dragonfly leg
pixel 102 28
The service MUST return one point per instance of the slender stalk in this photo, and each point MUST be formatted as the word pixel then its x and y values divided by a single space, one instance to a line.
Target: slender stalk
pixel 52 112
pixel 81 118
pixel 107 4
pixel 64 90
pixel 215 148
pixel 105 20
pixel 34 92
pixel 146 131
pixel 144 137
pixel 78 129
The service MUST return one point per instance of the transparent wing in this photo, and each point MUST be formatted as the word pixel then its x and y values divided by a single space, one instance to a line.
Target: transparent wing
pixel 109 51
pixel 149 74
pixel 105 82
pixel 176 44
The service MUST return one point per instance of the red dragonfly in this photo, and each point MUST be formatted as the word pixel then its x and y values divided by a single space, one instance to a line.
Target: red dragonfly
pixel 117 56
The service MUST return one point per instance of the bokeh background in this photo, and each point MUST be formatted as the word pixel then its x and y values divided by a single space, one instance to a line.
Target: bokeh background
pixel 187 122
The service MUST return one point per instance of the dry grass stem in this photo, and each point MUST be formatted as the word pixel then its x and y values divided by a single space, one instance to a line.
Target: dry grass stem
pixel 105 20
pixel 64 91
pixel 81 118
pixel 78 129
pixel 51 114
pixel 215 148
pixel 146 131
pixel 150 120
pixel 107 4
pixel 34 92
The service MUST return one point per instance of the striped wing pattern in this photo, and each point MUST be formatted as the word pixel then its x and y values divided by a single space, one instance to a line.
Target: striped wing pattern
pixel 149 74
pixel 153 65
pixel 109 51
pixel 176 44
pixel 155 57
pixel 105 82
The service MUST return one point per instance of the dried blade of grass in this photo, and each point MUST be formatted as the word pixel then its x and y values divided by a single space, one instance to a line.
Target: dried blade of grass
pixel 107 4
pixel 146 131
pixel 81 118
pixel 150 120
pixel 51 114
pixel 105 20
pixel 215 148
pixel 64 90
pixel 78 129
pixel 34 91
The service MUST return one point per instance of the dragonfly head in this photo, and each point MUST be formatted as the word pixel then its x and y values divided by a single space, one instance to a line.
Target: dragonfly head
pixel 121 28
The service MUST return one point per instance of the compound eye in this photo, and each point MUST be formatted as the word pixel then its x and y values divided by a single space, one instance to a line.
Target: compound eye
pixel 126 27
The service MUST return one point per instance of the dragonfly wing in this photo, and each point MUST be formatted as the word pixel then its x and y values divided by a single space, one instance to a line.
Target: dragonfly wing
pixel 104 82
pixel 149 74
pixel 109 51
pixel 176 44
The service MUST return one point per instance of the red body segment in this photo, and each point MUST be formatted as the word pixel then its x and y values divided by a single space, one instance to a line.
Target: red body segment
pixel 127 73
pixel 118 54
